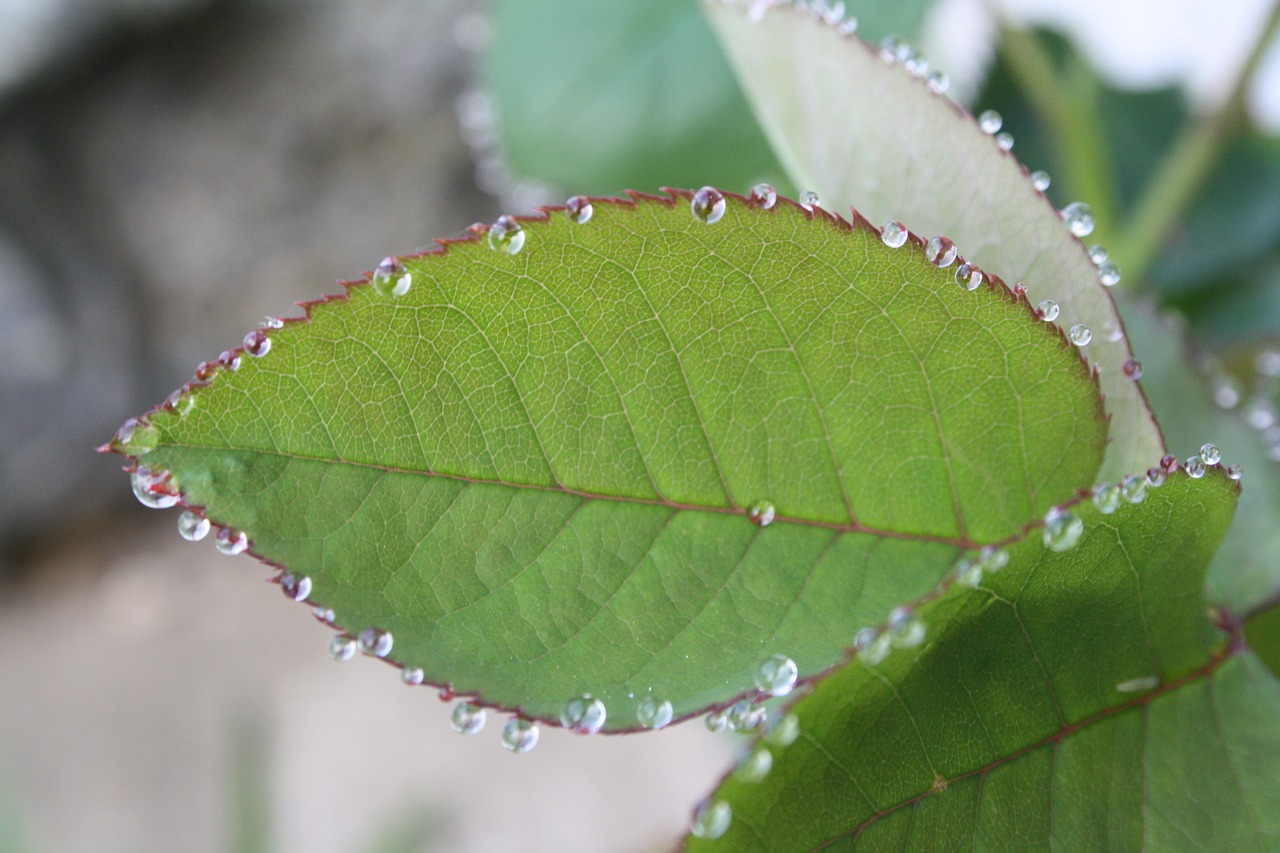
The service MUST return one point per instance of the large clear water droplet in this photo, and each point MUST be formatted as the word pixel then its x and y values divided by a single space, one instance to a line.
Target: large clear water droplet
pixel 940 252
pixel 376 642
pixel 1210 454
pixel 1040 180
pixel 1235 472
pixel 746 717
pixel 763 196
pixel 519 735
pixel 230 541
pixel 777 675
pixel 1079 218
pixel 1080 334
pixel 506 235
pixel 711 820
pixel 1109 274
pixel 1047 310
pixel 1155 477
pixel 192 526
pixel 342 648
pixel 295 587
pixel 1004 140
pixel 654 713
pixel 1106 497
pixel 893 234
pixel 390 278
pixel 1062 530
pixel 412 675
pixel 584 715
pixel 229 360
pixel 990 121
pixel 809 200
pixel 579 209
pixel 1134 488
pixel 969 277
pixel 1195 467
pixel 754 766
pixel 468 719
pixel 257 343
pixel 708 205
pixel 151 488
pixel 1097 254
pixel 762 513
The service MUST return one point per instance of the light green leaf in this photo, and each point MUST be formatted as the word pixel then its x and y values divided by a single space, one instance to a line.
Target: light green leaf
pixel 865 133
pixel 1077 700
pixel 536 469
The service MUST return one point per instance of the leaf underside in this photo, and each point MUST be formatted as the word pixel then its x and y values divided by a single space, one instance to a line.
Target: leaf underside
pixel 865 133
pixel 535 469
pixel 1024 722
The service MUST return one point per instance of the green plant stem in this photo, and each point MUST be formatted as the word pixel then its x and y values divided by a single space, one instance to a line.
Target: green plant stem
pixel 1074 119
pixel 1186 165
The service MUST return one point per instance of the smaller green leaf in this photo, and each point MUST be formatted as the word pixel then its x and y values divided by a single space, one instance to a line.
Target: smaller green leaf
pixel 1051 706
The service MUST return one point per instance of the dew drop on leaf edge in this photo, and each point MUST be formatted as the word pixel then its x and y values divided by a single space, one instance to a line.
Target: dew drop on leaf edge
pixel 468 719
pixel 1195 467
pixel 708 205
pixel 1047 310
pixel 940 251
pixel 1040 180
pixel 1079 218
pixel 990 121
pixel 893 234
pixel 376 642
pixel 654 713
pixel 584 715
pixel 519 735
pixel 506 235
pixel 192 526
pixel 809 200
pixel 295 587
pixel 1107 497
pixel 257 343
pixel 579 210
pixel 1062 530
pixel 150 488
pixel 230 541
pixel 1210 455
pixel 763 196
pixel 342 648
pixel 412 675
pixel 711 820
pixel 777 675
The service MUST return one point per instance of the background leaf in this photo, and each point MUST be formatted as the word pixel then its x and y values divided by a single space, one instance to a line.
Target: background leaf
pixel 535 469
pixel 863 132
pixel 1022 721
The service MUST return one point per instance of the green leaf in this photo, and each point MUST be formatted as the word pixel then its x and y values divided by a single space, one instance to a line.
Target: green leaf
pixel 1079 700
pixel 605 97
pixel 535 470
pixel 862 132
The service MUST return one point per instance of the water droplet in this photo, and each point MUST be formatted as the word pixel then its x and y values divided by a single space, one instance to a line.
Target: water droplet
pixel 181 402
pixel 1134 488
pixel 716 721
pixel 969 277
pixel 506 235
pixel 1235 472
pixel 908 634
pixel 1195 467
pixel 754 766
pixel 1109 275
pixel 1210 454
pixel 711 820
pixel 654 713
pixel 1268 363
pixel 230 541
pixel 940 252
pixel 1079 218
pixel 1169 463
pixel 272 323
pixel 325 615
pixel 777 675
pixel 762 513
pixel 864 638
pixel 390 278
pixel 1155 477
pixel 874 653
pixel 468 719
pixel 1062 530
pixel 1047 310
pixel 376 642
pixel 848 27
pixel 518 735
pixel 1133 369
pixel 893 234
pixel 938 81
pixel 969 573
pixel 257 343
pixel 584 715
pixel 1106 497
pixel 785 732
pixel 412 675
pixel 152 488
pixel 891 47
pixel 205 370
pixel 990 121
pixel 708 205
pixel 1097 254
pixel 1080 334
pixel 230 360
pixel 579 209
pixel 1139 685
pixel 1040 180
pixel 1004 140
pixel 192 526
pixel 342 648
pixel 993 559
pixel 295 587
pixel 1020 289
pixel 446 693
pixel 809 200
pixel 763 196
pixel 746 717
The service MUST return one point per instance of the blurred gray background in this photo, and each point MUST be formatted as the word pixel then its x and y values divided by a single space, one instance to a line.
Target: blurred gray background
pixel 170 172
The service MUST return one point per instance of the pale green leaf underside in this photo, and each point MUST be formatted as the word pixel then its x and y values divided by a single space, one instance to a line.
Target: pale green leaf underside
pixel 533 469
pixel 867 134
pixel 1008 729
